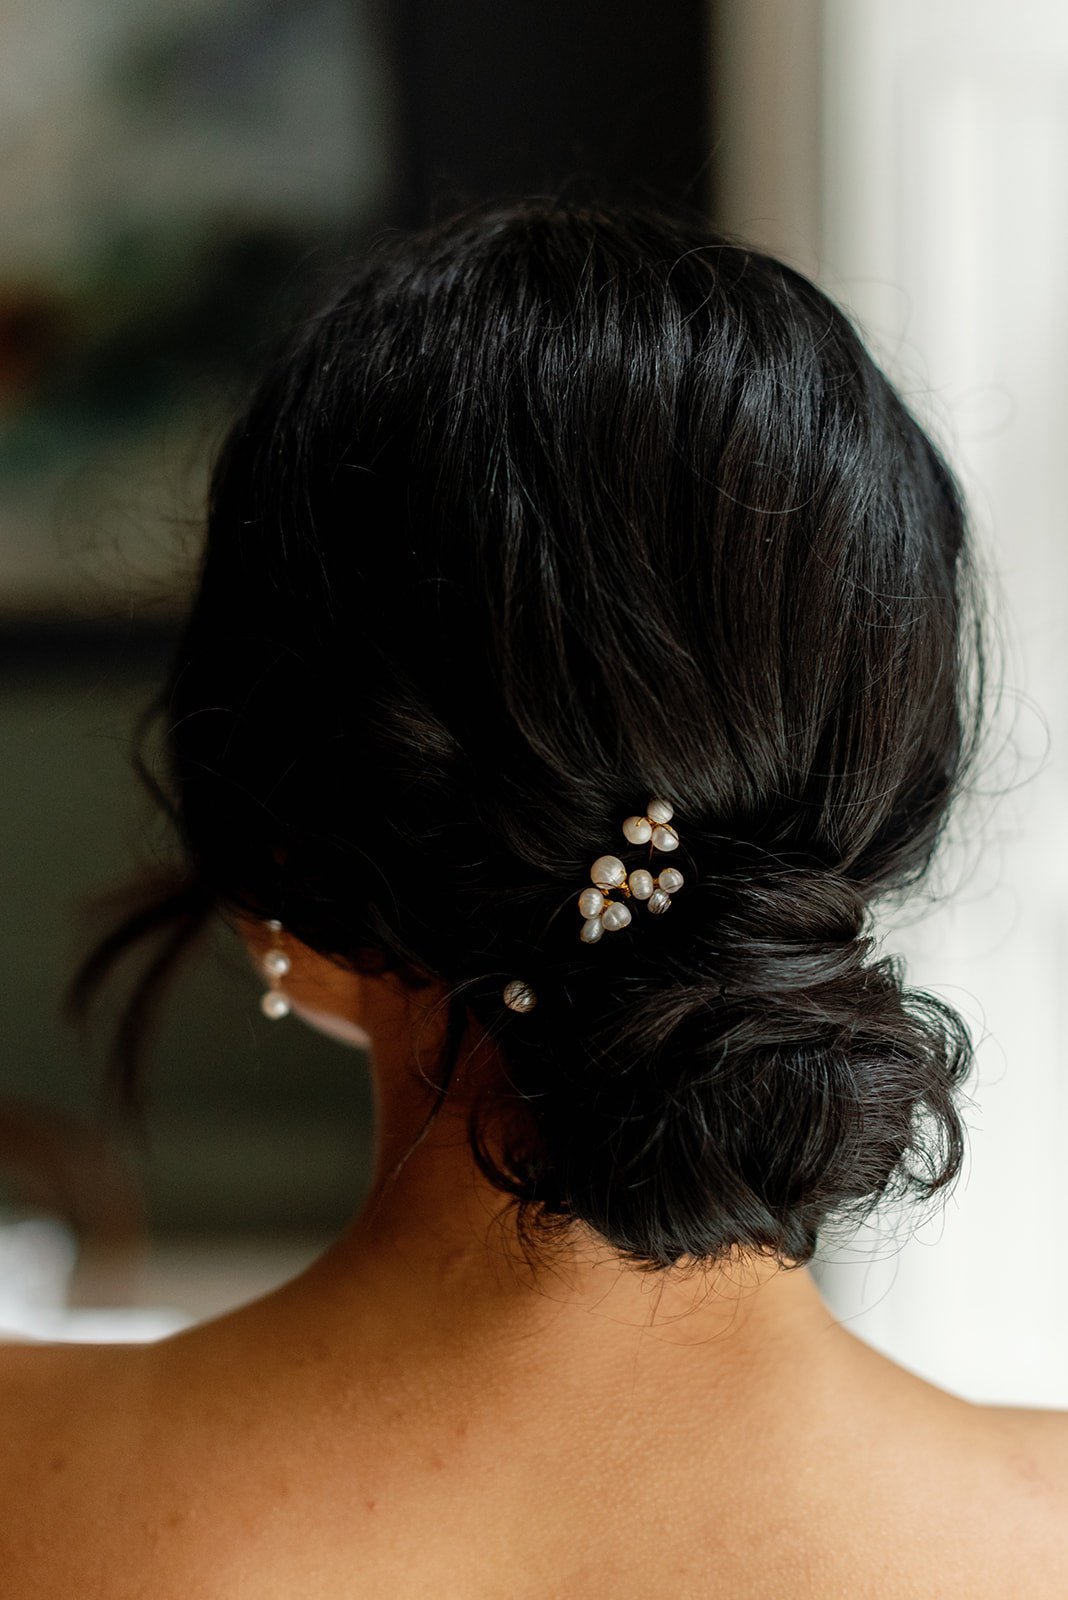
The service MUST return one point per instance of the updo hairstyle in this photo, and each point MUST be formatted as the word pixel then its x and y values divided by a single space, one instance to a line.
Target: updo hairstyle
pixel 552 508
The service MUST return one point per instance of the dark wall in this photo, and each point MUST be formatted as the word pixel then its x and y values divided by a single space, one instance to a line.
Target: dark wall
pixel 524 95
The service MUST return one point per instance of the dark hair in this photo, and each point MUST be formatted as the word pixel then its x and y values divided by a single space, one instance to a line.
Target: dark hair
pixel 555 507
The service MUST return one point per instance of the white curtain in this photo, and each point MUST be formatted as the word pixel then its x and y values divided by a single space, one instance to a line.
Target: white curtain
pixel 912 156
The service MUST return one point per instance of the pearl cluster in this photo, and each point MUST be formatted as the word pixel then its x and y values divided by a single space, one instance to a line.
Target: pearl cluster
pixel 275 964
pixel 608 874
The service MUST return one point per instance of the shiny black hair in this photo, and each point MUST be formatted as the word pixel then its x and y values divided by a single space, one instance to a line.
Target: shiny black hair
pixel 552 508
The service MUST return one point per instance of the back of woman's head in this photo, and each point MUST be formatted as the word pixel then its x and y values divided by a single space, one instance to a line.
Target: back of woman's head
pixel 553 509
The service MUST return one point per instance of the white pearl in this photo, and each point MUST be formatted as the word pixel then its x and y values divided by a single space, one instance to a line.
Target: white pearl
pixel 665 839
pixel 274 925
pixel 519 996
pixel 659 902
pixel 274 1005
pixel 641 883
pixel 591 930
pixel 659 811
pixel 276 963
pixel 670 880
pixel 608 872
pixel 591 902
pixel 617 915
pixel 637 830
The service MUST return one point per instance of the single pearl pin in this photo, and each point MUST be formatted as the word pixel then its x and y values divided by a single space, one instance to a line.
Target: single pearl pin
pixel 519 996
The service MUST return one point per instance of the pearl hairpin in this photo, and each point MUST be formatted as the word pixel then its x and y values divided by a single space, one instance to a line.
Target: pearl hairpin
pixel 519 996
pixel 601 913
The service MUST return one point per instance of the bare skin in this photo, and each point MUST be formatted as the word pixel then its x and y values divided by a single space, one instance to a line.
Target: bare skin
pixel 422 1414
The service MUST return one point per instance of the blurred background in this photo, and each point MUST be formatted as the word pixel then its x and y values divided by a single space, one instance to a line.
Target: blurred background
pixel 179 181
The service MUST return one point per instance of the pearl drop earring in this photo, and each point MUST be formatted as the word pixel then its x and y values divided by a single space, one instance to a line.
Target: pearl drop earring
pixel 602 914
pixel 276 964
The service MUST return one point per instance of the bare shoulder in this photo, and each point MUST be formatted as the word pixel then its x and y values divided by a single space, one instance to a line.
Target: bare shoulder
pixel 1036 1445
pixel 66 1450
pixel 128 1470
pixel 42 1383
pixel 972 1499
pixel 1029 1449
pixel 39 1385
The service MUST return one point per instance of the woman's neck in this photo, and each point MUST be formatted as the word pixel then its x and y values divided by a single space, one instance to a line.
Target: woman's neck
pixel 434 1230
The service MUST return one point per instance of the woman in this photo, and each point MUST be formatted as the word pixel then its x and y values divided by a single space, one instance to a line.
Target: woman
pixel 585 641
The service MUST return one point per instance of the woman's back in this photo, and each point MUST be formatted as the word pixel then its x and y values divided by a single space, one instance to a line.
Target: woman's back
pixel 234 1463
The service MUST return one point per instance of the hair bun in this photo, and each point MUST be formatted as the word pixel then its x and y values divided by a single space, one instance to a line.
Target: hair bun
pixel 768 1078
